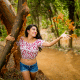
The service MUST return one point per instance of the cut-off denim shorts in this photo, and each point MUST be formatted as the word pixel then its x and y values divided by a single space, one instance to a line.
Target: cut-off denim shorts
pixel 32 68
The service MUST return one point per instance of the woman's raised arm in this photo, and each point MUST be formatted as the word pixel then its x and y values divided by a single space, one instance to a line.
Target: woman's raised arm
pixel 48 44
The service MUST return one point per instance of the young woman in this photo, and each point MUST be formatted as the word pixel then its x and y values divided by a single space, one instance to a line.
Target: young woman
pixel 29 46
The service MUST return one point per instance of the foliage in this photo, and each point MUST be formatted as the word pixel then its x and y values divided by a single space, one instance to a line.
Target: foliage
pixel 29 19
pixel 45 24
pixel 64 24
pixel 77 31
pixel 3 32
pixel 46 10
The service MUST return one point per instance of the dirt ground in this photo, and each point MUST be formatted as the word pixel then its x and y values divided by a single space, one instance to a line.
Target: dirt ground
pixel 55 65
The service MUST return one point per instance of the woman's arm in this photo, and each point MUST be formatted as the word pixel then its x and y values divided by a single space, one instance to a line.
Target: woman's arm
pixel 10 38
pixel 47 44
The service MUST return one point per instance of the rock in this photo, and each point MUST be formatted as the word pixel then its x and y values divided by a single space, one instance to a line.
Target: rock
pixel 75 51
pixel 1 79
pixel 61 49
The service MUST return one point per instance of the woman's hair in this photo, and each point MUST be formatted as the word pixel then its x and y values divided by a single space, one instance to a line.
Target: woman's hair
pixel 38 36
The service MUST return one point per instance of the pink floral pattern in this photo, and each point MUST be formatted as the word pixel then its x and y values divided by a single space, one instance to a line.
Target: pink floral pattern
pixel 29 50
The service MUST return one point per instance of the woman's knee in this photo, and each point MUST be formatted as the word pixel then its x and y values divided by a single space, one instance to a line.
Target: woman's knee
pixel 26 75
pixel 33 75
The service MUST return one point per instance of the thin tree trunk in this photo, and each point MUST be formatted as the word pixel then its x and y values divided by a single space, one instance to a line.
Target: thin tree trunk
pixel 57 34
pixel 71 8
pixel 38 22
pixel 52 30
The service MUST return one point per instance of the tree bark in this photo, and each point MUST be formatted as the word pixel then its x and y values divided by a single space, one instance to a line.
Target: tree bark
pixel 7 14
pixel 20 2
pixel 15 30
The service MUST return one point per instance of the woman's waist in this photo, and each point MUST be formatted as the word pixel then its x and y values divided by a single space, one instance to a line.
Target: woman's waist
pixel 28 61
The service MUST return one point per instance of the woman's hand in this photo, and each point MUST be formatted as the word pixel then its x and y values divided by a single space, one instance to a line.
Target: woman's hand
pixel 10 38
pixel 65 35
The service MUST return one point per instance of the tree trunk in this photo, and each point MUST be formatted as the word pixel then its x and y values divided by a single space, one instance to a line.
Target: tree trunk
pixel 7 14
pixel 71 8
pixel 50 16
pixel 57 33
pixel 38 23
pixel 20 4
pixel 15 30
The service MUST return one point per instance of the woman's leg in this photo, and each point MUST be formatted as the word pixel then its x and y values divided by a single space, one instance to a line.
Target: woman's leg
pixel 33 75
pixel 33 70
pixel 26 75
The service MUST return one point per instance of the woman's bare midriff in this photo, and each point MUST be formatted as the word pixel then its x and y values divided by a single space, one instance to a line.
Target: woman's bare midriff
pixel 28 62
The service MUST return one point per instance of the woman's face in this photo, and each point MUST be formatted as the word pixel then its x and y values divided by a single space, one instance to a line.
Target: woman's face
pixel 32 32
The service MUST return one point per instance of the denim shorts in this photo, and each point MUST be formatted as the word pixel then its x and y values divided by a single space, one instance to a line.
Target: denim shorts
pixel 31 68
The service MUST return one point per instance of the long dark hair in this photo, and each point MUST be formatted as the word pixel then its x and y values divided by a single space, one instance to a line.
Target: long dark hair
pixel 38 36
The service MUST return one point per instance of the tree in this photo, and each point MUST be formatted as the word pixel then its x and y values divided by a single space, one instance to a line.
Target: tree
pixel 18 23
pixel 71 9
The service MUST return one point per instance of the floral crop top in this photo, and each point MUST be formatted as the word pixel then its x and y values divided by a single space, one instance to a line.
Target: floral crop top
pixel 29 50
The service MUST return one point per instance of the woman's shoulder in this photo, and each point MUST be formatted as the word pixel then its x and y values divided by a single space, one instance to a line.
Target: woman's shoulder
pixel 40 40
